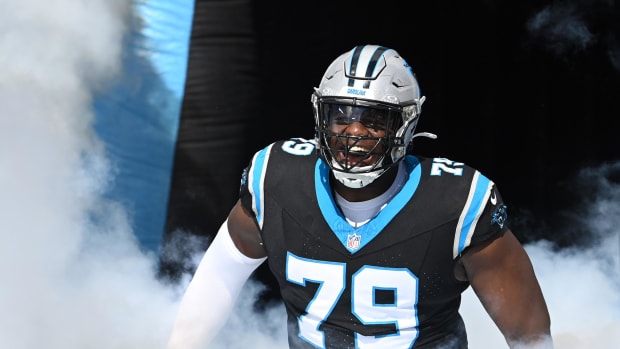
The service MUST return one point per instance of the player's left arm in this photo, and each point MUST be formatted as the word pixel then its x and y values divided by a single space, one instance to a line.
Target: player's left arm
pixel 502 276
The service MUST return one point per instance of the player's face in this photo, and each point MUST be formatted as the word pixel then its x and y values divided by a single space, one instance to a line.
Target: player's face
pixel 357 134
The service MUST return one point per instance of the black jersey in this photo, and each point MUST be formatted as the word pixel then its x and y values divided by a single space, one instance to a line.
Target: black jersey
pixel 387 284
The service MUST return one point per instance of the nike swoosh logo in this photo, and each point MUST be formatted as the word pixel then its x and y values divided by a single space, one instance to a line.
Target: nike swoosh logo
pixel 494 199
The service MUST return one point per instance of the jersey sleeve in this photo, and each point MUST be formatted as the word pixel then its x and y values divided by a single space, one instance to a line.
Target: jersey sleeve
pixel 483 217
pixel 491 223
pixel 251 191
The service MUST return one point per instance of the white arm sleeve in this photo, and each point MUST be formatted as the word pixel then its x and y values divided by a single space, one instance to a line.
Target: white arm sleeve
pixel 212 292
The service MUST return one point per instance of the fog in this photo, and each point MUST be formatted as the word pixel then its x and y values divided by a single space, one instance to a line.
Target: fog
pixel 73 273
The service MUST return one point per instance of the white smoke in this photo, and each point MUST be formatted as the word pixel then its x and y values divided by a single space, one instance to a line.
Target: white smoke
pixel 567 28
pixel 73 275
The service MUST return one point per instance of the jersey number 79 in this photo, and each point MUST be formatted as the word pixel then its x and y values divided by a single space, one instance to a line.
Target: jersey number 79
pixel 365 282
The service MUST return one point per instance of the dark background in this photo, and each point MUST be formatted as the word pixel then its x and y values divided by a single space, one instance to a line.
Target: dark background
pixel 526 92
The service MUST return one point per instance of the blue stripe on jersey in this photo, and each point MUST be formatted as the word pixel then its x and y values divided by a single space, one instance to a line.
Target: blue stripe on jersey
pixel 367 232
pixel 472 210
pixel 256 182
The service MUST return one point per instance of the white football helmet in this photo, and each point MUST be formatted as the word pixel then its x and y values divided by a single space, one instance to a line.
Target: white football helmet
pixel 372 85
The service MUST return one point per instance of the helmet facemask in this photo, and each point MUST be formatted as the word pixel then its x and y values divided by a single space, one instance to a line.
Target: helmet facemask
pixel 357 160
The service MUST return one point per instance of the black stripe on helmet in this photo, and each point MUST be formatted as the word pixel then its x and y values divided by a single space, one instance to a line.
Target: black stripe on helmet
pixel 354 60
pixel 373 63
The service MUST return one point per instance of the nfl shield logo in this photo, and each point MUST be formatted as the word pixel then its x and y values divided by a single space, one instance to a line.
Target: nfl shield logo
pixel 353 241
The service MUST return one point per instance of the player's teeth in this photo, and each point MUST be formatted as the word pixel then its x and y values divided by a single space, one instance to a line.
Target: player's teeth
pixel 360 149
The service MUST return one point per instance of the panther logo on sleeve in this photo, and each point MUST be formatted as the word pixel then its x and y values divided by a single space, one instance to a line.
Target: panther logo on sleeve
pixel 499 216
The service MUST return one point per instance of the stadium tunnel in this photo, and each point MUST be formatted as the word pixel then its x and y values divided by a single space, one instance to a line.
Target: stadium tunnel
pixel 219 117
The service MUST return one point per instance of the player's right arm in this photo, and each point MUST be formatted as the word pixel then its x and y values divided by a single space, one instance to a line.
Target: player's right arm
pixel 232 256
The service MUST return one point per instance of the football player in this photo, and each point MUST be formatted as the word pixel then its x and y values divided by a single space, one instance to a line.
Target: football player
pixel 371 245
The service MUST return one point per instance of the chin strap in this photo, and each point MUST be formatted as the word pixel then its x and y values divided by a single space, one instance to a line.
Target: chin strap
pixel 357 180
